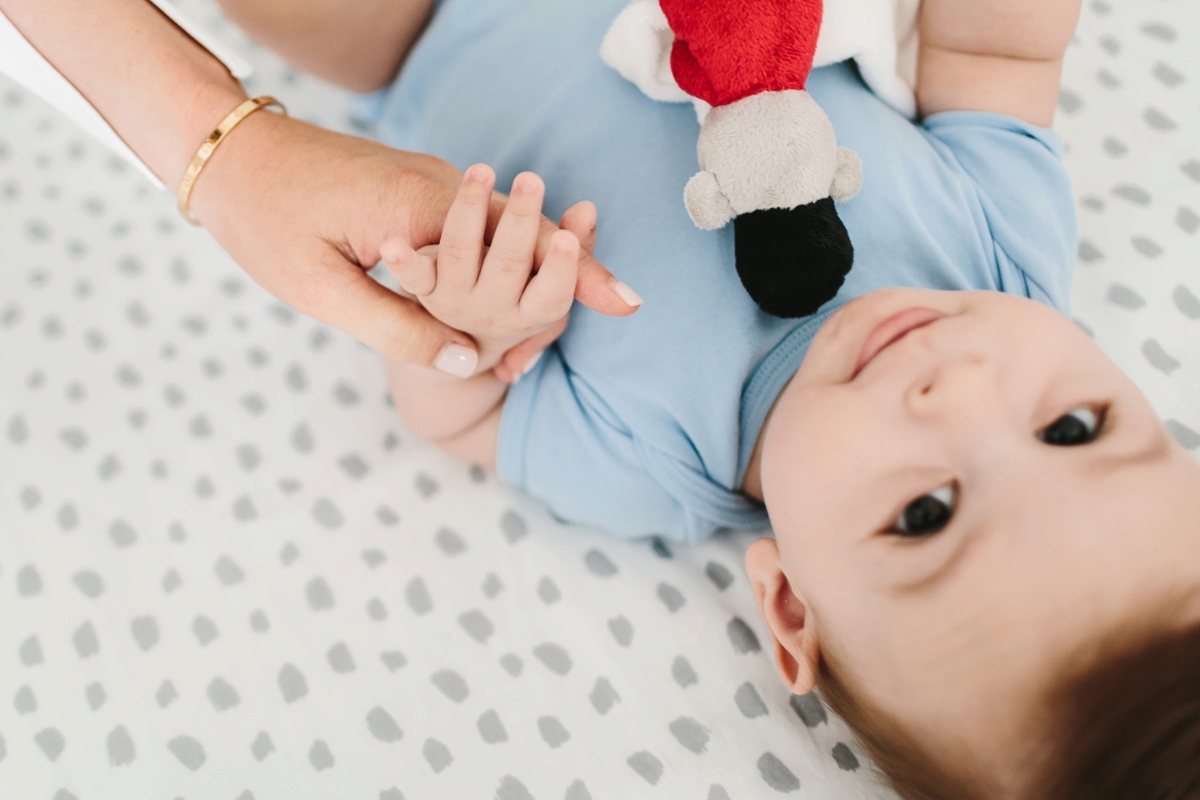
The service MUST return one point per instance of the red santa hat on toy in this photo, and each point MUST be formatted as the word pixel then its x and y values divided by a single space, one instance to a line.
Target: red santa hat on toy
pixel 769 159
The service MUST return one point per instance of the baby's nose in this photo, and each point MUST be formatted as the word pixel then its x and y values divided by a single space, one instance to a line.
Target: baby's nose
pixel 966 386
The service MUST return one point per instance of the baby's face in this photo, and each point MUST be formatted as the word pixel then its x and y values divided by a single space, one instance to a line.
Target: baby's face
pixel 956 508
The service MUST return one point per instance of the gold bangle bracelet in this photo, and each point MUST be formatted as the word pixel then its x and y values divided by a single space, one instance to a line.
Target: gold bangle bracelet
pixel 210 145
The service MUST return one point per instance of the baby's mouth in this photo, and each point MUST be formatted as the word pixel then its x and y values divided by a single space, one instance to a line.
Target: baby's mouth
pixel 892 330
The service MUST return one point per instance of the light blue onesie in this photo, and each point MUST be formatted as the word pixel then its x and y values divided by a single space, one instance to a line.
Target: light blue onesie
pixel 644 425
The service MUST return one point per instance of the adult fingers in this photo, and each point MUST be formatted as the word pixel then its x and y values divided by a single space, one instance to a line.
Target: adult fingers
pixel 417 272
pixel 580 219
pixel 344 296
pixel 549 295
pixel 461 245
pixel 510 258
pixel 523 357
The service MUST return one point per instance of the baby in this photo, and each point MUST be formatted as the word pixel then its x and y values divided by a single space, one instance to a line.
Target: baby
pixel 985 542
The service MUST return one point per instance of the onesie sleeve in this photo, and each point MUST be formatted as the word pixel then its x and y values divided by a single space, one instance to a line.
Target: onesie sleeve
pixel 562 444
pixel 1018 174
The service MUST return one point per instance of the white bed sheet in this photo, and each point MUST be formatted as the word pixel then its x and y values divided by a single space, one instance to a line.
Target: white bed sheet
pixel 226 571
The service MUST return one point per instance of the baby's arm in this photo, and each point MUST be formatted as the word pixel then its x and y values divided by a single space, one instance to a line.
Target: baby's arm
pixel 488 293
pixel 1003 56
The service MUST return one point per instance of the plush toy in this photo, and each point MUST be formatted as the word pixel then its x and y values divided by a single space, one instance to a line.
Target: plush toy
pixel 769 159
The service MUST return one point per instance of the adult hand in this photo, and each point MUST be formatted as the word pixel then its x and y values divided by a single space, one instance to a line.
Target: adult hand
pixel 304 210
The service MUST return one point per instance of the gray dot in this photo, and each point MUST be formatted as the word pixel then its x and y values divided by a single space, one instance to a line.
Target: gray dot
pixel 451 684
pixel 1133 193
pixel 554 657
pixel 689 733
pixel 1160 31
pixel 748 701
pixel 289 553
pixel 51 742
pixel 248 456
pixel 1121 295
pixel 491 729
pixel 227 571
pixel 386 516
pixel 24 702
pixel 145 631
pixel 660 548
pixel 122 533
pixel 548 591
pixel 1088 252
pixel 598 564
pixel 86 642
pixel 844 757
pixel 721 577
pixel 809 708
pixel 553 732
pixel 110 467
pixel 671 597
pixel 742 636
pixel 645 763
pixel 262 746
pixel 776 774
pixel 320 756
pixel 88 582
pixel 3 749
pixel 577 791
pixel 393 660
pixel 416 594
pixel 204 487
pixel 95 695
pixel 258 621
pixel 1191 168
pixel 340 659
pixel 166 694
pixel 353 465
pixel 1187 220
pixel 204 629
pixel 603 696
pixel 376 610
pixel 30 497
pixel 1147 246
pixel 1159 359
pixel 1069 101
pixel 512 664
pixel 449 542
pixel 391 794
pixel 345 394
pixel 30 651
pixel 513 526
pixel 437 754
pixel 320 596
pixel 382 726
pixel 1158 120
pixel 492 585
pixel 29 582
pixel 717 792
pixel 68 517
pixel 128 376
pixel 477 625
pixel 74 438
pixel 200 427
pixel 295 378
pixel 512 789
pixel 426 486
pixel 158 468
pixel 18 430
pixel 63 794
pixel 1187 438
pixel 212 368
pixel 254 403
pixel 621 629
pixel 222 694
pixel 1186 302
pixel 292 684
pixel 1167 75
pixel 327 514
pixel 137 314
pixel 120 747
pixel 682 672
pixel 302 438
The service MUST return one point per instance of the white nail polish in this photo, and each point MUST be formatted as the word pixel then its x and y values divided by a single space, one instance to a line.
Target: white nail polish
pixel 457 360
pixel 531 363
pixel 623 291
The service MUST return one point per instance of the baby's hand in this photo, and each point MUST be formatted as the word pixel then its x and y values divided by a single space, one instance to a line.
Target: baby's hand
pixel 489 292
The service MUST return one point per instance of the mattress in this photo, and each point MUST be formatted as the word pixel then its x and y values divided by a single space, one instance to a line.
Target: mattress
pixel 227 571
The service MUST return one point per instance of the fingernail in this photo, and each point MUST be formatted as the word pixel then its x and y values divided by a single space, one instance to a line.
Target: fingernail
pixel 562 243
pixel 478 174
pixel 531 363
pixel 457 360
pixel 630 297
pixel 524 183
pixel 390 251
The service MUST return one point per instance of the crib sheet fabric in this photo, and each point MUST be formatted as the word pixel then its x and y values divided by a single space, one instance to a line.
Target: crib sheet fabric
pixel 226 571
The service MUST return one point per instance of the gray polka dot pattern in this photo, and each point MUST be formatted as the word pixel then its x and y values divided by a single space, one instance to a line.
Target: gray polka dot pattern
pixel 238 576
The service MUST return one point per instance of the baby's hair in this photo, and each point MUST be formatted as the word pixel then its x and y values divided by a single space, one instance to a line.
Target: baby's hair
pixel 1128 721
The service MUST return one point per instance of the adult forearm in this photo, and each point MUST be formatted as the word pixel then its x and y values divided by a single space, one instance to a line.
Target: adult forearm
pixel 158 89
pixel 357 44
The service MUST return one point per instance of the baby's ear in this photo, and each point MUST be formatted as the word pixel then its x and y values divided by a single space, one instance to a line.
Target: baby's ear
pixel 794 638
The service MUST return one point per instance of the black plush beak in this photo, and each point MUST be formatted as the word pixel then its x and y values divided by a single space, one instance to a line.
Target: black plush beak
pixel 792 260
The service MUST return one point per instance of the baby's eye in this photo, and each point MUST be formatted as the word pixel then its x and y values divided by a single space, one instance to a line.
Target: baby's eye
pixel 928 514
pixel 1079 426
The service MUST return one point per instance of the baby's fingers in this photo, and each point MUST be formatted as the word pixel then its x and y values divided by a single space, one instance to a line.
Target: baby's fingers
pixel 461 246
pixel 417 272
pixel 550 293
pixel 510 258
pixel 580 219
